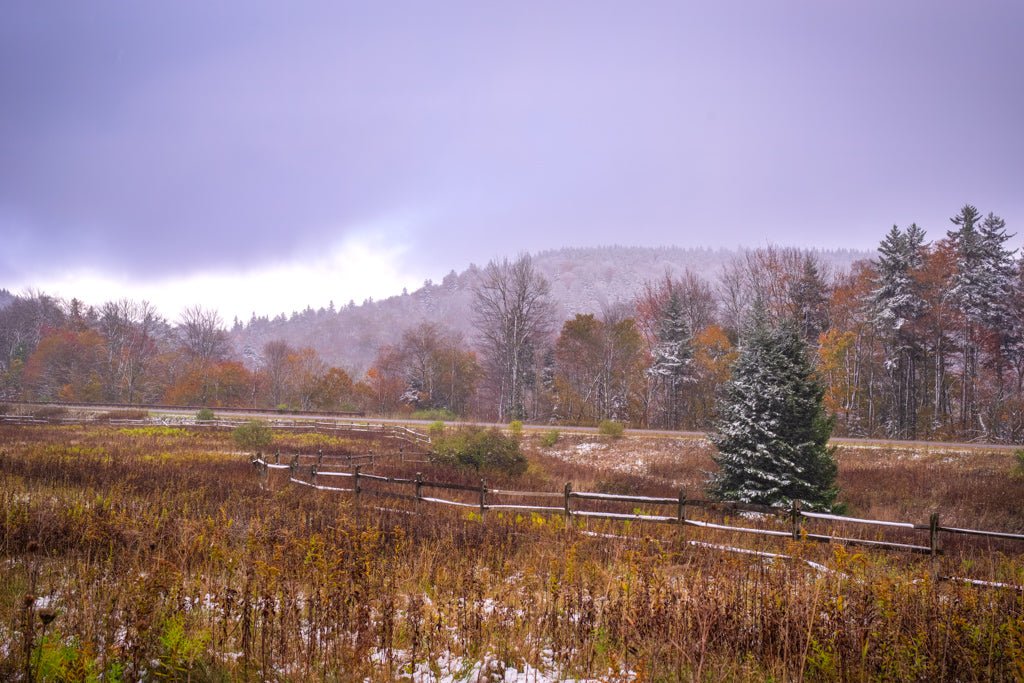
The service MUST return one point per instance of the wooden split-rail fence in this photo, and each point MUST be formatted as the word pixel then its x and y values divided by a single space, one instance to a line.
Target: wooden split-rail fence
pixel 310 471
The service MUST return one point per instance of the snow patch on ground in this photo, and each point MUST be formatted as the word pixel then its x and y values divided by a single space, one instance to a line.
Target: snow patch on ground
pixel 449 668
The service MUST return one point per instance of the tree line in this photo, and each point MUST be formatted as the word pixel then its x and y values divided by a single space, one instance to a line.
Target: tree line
pixel 925 340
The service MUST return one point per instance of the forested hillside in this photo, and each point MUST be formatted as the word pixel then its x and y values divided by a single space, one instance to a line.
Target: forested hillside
pixel 922 339
pixel 584 280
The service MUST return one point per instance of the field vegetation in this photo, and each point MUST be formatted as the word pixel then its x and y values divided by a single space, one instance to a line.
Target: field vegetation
pixel 150 552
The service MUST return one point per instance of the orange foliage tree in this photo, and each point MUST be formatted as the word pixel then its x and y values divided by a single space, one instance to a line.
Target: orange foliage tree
pixel 67 365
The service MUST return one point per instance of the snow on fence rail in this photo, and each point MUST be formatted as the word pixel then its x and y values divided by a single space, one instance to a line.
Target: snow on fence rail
pixel 485 499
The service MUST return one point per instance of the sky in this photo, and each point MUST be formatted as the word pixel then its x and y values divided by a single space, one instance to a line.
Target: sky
pixel 262 157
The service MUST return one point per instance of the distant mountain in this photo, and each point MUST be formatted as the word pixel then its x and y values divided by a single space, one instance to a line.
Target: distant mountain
pixel 583 280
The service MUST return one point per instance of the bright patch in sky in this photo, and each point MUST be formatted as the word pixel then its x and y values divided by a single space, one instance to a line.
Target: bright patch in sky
pixel 354 269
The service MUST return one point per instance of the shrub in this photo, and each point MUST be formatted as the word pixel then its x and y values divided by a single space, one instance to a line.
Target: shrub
pixel 435 430
pixel 5 408
pixel 610 428
pixel 282 408
pixel 205 415
pixel 254 435
pixel 1019 454
pixel 481 449
pixel 515 427
pixel 550 438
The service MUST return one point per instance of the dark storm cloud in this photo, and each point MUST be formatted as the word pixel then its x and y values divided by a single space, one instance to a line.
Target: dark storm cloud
pixel 148 139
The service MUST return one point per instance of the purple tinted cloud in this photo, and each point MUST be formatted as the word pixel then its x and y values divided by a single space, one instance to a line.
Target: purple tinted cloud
pixel 149 139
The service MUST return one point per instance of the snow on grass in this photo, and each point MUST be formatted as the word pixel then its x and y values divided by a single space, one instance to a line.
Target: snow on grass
pixel 449 668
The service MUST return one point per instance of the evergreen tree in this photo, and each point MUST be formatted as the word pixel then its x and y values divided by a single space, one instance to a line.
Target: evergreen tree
pixel 672 365
pixel 809 297
pixel 772 431
pixel 896 305
pixel 980 290
pixel 998 272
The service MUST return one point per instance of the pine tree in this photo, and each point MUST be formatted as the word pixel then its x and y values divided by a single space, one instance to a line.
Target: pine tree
pixel 998 272
pixel 772 431
pixel 809 297
pixel 980 290
pixel 672 365
pixel 896 305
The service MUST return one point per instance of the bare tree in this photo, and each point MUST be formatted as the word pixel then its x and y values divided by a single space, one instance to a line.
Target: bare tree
pixel 274 366
pixel 202 335
pixel 22 322
pixel 130 329
pixel 773 276
pixel 513 316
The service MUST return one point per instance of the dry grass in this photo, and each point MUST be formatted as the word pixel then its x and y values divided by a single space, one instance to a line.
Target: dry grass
pixel 162 557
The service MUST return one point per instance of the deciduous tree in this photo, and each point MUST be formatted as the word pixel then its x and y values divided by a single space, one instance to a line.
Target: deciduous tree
pixel 512 314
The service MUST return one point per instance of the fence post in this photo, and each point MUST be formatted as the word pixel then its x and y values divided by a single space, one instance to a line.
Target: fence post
pixel 568 511
pixel 419 489
pixel 312 476
pixel 277 457
pixel 264 476
pixel 933 534
pixel 483 498
pixel 795 518
pixel 681 512
pixel 355 483
pixel 319 457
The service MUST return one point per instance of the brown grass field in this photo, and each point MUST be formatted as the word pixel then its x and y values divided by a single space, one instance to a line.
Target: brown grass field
pixel 153 553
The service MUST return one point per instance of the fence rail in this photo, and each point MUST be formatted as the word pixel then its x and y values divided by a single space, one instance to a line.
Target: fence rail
pixel 484 501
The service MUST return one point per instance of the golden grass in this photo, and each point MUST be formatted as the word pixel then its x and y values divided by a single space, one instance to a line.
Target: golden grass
pixel 162 557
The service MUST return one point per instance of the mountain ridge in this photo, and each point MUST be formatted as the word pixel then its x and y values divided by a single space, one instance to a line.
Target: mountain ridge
pixel 583 280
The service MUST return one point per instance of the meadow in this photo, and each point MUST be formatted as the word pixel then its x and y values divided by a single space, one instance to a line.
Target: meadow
pixel 154 552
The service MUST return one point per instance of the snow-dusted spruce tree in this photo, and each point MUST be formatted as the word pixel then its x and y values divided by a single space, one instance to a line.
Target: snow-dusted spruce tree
pixel 672 361
pixel 980 291
pixel 772 430
pixel 896 305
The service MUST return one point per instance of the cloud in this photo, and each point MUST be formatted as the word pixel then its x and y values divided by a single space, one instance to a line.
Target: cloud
pixel 156 143
pixel 362 265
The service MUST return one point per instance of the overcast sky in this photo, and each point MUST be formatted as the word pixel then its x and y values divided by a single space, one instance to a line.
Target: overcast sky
pixel 262 156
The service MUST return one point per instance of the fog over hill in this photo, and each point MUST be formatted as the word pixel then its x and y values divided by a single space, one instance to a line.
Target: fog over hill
pixel 583 280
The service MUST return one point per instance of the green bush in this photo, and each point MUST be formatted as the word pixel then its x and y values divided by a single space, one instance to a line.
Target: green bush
pixel 1019 454
pixel 254 435
pixel 610 428
pixel 205 415
pixel 435 430
pixel 480 449
pixel 515 427
pixel 282 408
pixel 550 438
